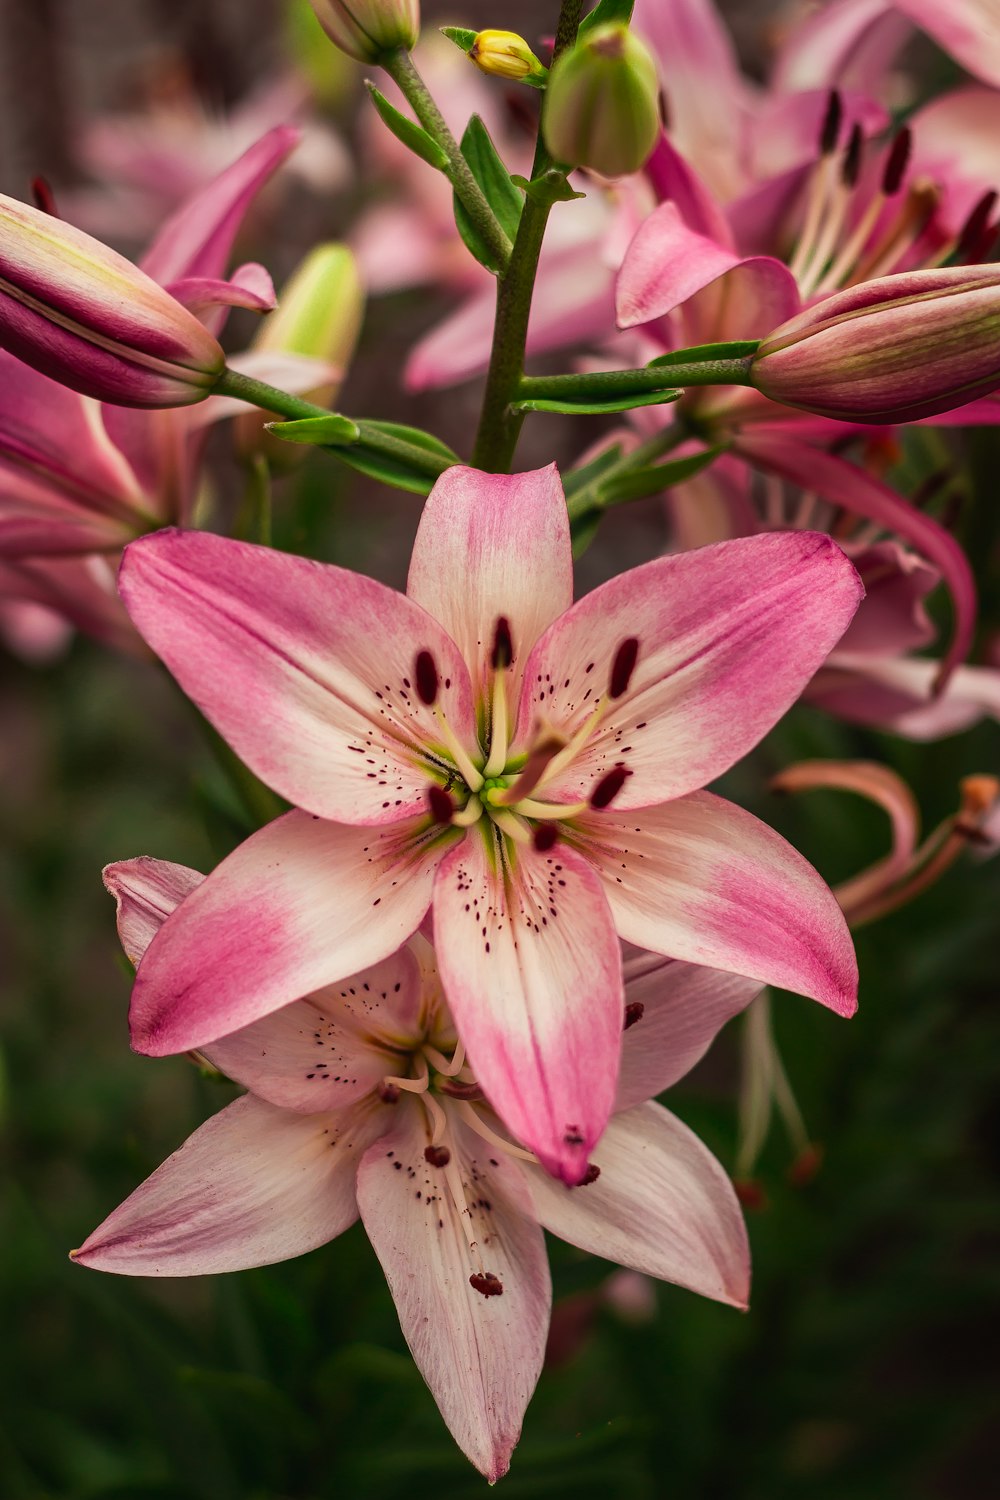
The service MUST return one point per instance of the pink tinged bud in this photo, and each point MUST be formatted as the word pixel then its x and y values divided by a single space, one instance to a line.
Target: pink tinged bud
pixel 83 315
pixel 891 350
pixel 367 29
pixel 602 103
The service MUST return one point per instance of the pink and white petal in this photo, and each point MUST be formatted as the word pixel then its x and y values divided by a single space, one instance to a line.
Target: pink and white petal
pixel 252 1186
pixel 666 263
pixel 297 906
pixel 954 144
pixel 892 617
pixel 702 880
pixel 146 891
pixel 532 973
pixel 674 180
pixel 36 521
pixel 833 478
pixel 493 546
pixel 304 668
pixel 898 693
pixel 728 637
pixel 331 1048
pixel 196 240
pixel 662 1205
pixel 684 1007
pixel 480 1355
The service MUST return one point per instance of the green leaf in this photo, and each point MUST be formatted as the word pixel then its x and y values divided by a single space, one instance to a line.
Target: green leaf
pixel 328 431
pixel 412 135
pixel 460 35
pixel 583 529
pixel 414 462
pixel 578 479
pixel 585 406
pixel 551 187
pixel 703 353
pixel 500 192
pixel 640 483
pixel 606 12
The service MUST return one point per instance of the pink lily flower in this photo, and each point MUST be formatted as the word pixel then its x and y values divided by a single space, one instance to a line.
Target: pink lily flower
pixel 360 1104
pixel 527 767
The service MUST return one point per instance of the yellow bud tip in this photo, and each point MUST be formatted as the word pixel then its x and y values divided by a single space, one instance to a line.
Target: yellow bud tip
pixel 504 54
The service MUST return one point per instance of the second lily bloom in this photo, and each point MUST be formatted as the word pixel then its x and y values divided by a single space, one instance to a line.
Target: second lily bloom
pixel 526 768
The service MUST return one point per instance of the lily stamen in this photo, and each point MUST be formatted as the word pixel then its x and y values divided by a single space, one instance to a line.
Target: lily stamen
pixel 476 1123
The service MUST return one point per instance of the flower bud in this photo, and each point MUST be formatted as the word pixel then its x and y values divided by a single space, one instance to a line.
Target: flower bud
pixel 891 350
pixel 602 103
pixel 318 315
pixel 83 315
pixel 504 54
pixel 367 29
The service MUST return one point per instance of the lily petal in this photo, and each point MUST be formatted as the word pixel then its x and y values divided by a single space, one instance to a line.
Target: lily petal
pixel 146 892
pixel 684 1007
pixel 250 286
pixel 335 1046
pixel 298 906
pixel 706 882
pixel 728 637
pixel 480 1355
pixel 491 546
pixel 662 1205
pixel 532 972
pixel 252 1186
pixel 304 668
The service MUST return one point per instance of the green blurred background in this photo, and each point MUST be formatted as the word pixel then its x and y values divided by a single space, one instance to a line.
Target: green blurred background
pixel 864 1367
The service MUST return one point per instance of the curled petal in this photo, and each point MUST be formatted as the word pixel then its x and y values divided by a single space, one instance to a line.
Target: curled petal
pixel 146 892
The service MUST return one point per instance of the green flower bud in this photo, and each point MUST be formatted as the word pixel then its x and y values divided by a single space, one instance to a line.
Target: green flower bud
pixel 601 105
pixel 367 29
pixel 318 315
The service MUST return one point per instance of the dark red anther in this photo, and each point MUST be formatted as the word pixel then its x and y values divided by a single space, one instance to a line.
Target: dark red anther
pixel 898 161
pixel 545 837
pixel 426 673
pixel 388 1093
pixel 503 646
pixel 623 666
pixel 750 1193
pixel 975 225
pixel 487 1283
pixel 591 1175
pixel 851 167
pixel 440 804
pixel 830 134
pixel 634 1011
pixel 805 1166
pixel 609 786
pixel 438 1156
pixel 43 196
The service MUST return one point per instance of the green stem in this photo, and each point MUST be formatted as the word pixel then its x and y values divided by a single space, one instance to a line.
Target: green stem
pixel 270 399
pixel 400 68
pixel 608 383
pixel 499 427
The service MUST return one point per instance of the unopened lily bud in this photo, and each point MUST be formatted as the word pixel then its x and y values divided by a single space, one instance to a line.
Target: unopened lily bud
pixel 891 350
pixel 602 103
pixel 319 316
pixel 506 55
pixel 367 29
pixel 84 315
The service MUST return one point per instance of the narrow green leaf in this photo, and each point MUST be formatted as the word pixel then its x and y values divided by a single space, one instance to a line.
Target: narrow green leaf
pixel 500 193
pixel 640 483
pixel 582 531
pixel 416 437
pixel 412 135
pixel 577 479
pixel 703 353
pixel 585 406
pixel 414 462
pixel 606 12
pixel 329 431
pixel 460 35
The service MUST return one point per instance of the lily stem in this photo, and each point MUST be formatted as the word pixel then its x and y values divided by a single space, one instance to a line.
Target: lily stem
pixel 499 426
pixel 400 68
pixel 606 384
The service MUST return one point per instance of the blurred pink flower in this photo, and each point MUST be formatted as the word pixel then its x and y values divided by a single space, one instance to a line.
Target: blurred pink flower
pixel 440 744
pixel 360 1103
